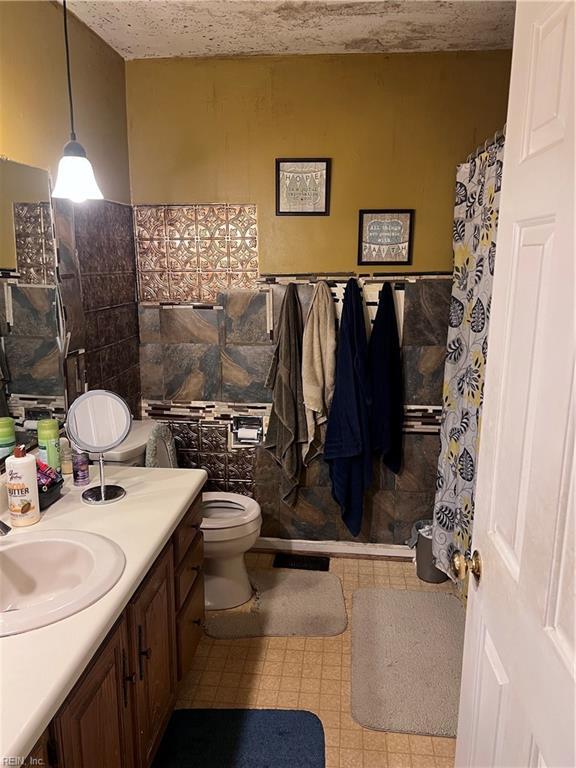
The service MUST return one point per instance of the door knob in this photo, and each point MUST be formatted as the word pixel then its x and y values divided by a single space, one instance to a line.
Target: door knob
pixel 462 564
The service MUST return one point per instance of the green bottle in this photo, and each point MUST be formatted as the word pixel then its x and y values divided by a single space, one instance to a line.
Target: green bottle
pixel 7 436
pixel 49 443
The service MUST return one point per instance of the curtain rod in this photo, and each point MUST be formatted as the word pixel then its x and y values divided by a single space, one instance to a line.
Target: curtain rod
pixel 498 136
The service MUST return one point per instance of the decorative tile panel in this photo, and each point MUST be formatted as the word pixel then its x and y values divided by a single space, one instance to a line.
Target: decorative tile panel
pixel 35 252
pixel 191 253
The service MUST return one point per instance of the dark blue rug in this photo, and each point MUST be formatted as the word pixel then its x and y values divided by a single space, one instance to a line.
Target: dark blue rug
pixel 242 738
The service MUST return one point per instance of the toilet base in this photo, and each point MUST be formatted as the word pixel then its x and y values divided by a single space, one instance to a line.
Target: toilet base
pixel 226 582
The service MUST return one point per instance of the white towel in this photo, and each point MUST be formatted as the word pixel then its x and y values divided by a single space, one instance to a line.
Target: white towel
pixel 318 367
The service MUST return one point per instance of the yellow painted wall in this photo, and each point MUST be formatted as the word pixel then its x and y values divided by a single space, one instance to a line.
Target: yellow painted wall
pixel 208 130
pixel 33 97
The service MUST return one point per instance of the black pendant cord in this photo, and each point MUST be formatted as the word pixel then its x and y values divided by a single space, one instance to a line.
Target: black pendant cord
pixel 68 75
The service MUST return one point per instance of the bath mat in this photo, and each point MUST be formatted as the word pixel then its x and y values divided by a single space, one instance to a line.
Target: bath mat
pixel 242 738
pixel 305 603
pixel 406 660
pixel 302 562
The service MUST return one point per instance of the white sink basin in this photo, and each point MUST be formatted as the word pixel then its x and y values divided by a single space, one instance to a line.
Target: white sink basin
pixel 49 575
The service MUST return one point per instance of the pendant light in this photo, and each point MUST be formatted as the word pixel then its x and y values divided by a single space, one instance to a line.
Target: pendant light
pixel 75 180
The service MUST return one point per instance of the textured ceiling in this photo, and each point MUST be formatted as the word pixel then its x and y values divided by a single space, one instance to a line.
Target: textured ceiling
pixel 166 28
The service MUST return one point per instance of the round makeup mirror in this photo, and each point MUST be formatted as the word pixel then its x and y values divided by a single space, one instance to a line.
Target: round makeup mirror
pixel 97 422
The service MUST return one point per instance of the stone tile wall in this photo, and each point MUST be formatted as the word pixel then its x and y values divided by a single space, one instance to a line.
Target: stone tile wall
pixel 31 342
pixel 220 353
pixel 237 330
pixel 97 238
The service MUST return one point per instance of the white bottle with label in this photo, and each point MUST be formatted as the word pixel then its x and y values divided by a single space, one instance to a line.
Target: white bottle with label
pixel 22 487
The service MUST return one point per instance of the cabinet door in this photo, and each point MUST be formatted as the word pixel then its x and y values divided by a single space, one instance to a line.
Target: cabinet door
pixel 152 632
pixel 189 626
pixel 94 726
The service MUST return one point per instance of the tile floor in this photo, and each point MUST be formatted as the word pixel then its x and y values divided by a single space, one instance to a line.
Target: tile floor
pixel 313 673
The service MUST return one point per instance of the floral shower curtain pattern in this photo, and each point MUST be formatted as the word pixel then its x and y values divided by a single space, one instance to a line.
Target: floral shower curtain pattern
pixel 478 183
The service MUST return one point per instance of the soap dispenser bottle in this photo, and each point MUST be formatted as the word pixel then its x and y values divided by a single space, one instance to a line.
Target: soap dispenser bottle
pixel 22 487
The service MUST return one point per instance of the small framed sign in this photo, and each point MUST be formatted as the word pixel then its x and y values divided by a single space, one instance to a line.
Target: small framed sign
pixel 303 186
pixel 385 236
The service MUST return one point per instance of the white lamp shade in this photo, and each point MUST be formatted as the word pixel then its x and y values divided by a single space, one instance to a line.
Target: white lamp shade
pixel 76 180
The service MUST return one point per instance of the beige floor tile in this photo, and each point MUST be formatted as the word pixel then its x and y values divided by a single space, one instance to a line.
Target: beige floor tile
pixel 375 759
pixel 398 742
pixel 351 758
pixel 330 702
pixel 309 684
pixel 332 736
pixel 296 643
pixel 275 654
pixel 294 669
pixel 330 717
pixel 293 656
pixel 421 745
pixel 267 698
pixel 330 686
pixel 293 684
pixel 350 739
pixel 444 762
pixel 288 699
pixel 310 701
pixel 444 747
pixel 423 761
pixel 270 683
pixel 399 760
pixel 332 757
pixel 272 668
pixel 374 740
pixel 207 692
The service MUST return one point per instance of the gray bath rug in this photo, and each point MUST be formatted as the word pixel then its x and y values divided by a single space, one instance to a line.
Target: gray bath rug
pixel 406 660
pixel 304 603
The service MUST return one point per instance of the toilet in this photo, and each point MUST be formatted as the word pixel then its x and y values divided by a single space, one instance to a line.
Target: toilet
pixel 132 450
pixel 231 525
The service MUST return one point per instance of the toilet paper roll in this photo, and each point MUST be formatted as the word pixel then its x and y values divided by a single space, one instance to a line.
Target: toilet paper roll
pixel 245 433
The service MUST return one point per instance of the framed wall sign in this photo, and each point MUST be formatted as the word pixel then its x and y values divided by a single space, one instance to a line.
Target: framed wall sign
pixel 303 186
pixel 385 236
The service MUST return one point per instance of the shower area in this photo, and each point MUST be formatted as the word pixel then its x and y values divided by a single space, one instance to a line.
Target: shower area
pixel 202 334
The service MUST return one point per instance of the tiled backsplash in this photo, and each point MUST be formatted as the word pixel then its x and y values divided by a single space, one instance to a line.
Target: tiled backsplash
pixel 35 254
pixel 191 253
pixel 205 445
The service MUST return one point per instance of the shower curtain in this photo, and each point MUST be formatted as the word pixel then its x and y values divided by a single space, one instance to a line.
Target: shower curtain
pixel 478 183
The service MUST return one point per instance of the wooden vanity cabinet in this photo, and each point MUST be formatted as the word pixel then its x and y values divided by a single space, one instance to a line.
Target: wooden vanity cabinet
pixel 94 727
pixel 152 634
pixel 116 714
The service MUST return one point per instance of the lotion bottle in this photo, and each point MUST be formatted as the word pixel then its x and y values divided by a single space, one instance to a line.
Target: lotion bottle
pixel 22 487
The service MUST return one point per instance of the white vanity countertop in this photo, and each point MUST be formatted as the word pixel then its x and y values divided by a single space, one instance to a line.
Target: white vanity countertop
pixel 39 668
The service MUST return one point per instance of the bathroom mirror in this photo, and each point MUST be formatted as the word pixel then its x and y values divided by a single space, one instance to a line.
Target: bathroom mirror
pixel 97 422
pixel 31 318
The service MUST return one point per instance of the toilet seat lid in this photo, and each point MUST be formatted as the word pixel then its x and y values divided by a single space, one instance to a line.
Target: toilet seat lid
pixel 227 510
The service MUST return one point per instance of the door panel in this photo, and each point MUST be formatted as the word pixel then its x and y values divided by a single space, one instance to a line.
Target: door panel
pixel 518 685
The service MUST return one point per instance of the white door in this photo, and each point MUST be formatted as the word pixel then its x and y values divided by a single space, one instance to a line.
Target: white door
pixel 518 684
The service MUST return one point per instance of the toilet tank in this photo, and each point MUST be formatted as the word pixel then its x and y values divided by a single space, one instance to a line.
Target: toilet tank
pixel 132 450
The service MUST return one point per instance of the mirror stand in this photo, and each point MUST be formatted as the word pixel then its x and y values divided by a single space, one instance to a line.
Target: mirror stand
pixel 103 494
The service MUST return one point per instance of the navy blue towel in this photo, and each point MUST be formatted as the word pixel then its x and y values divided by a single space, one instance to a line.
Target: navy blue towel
pixel 347 449
pixel 385 368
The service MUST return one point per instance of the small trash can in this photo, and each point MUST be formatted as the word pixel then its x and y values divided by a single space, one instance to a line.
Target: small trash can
pixel 425 566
